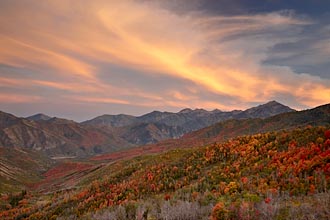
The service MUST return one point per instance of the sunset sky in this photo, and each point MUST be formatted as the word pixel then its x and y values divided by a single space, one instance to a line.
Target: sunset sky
pixel 78 59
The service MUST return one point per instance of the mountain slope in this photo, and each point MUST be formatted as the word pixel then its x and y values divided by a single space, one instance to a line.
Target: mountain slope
pixel 7 120
pixel 57 137
pixel 20 168
pixel 147 133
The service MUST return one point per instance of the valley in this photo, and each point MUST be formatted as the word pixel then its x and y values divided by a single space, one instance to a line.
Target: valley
pixel 250 167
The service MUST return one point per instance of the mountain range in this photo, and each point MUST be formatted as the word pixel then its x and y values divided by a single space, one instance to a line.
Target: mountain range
pixel 109 133
pixel 27 143
pixel 232 128
pixel 189 120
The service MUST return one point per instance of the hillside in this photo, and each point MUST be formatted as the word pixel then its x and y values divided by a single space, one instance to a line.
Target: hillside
pixel 263 176
pixel 20 168
pixel 146 133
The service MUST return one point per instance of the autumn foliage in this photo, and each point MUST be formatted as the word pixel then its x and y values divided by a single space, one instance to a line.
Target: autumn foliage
pixel 233 176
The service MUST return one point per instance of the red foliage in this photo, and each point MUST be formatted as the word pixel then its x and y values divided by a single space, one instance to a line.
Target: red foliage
pixel 244 180
pixel 327 134
pixel 167 197
pixel 268 200
pixel 261 164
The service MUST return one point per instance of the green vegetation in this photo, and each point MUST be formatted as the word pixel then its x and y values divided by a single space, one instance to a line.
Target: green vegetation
pixel 277 175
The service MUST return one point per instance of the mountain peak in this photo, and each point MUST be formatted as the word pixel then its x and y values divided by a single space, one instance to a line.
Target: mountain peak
pixel 275 104
pixel 39 117
pixel 216 110
pixel 186 110
pixel 268 109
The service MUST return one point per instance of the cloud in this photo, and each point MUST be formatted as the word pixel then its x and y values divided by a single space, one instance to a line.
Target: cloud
pixel 310 53
pixel 98 100
pixel 10 98
pixel 145 53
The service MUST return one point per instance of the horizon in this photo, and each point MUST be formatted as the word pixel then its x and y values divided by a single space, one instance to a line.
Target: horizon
pixel 82 59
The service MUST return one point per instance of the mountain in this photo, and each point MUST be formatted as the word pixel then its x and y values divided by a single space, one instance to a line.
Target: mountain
pixel 57 137
pixel 232 128
pixel 39 117
pixel 264 111
pixel 190 120
pixel 109 133
pixel 319 116
pixel 157 126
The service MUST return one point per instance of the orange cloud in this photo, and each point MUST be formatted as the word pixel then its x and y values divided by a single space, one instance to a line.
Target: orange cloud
pixel 69 41
pixel 98 100
pixel 11 98
pixel 22 54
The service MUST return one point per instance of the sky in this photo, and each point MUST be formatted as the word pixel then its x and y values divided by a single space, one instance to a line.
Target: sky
pixel 78 59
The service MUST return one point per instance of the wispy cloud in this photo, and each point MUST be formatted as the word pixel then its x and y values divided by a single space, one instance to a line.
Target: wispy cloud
pixel 220 60
pixel 12 98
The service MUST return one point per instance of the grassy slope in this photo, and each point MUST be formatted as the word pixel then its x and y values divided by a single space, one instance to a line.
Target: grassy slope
pixel 243 171
pixel 20 168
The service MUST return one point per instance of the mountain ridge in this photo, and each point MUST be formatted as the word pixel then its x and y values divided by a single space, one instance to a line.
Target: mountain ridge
pixel 232 128
pixel 189 119
pixel 62 137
